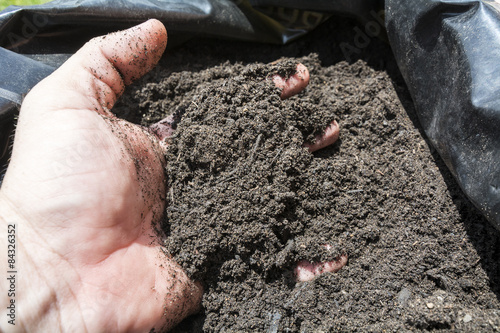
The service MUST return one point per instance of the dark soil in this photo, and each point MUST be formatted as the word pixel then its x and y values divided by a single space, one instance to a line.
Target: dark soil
pixel 246 201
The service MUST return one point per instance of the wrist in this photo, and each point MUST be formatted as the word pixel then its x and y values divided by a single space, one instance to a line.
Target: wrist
pixel 29 301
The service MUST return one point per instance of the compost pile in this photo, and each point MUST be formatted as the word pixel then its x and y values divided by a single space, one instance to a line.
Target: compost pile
pixel 246 200
pixel 238 174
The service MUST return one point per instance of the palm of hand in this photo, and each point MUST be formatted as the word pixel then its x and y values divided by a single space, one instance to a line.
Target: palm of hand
pixel 105 230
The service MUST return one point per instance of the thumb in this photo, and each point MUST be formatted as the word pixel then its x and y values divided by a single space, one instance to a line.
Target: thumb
pixel 95 76
pixel 62 112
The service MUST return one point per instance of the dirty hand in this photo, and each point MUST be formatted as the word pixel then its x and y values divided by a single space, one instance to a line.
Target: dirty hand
pixel 84 190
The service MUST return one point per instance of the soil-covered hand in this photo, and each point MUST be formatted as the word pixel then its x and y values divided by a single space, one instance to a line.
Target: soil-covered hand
pixel 85 189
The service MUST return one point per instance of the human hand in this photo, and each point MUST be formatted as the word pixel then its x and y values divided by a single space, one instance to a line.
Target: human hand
pixel 85 190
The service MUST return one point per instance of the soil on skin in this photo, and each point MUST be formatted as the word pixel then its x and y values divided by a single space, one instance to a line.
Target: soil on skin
pixel 246 201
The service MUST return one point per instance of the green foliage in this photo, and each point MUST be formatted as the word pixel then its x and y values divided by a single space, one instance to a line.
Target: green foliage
pixel 6 3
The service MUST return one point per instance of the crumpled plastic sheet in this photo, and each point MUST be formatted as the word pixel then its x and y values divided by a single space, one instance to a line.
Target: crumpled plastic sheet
pixel 449 55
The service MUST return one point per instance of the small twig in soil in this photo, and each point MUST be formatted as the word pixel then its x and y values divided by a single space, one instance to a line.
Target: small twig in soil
pixel 292 300
pixel 275 321
pixel 229 179
pixel 176 209
pixel 276 156
pixel 230 176
pixel 354 191
pixel 212 220
pixel 195 210
pixel 254 150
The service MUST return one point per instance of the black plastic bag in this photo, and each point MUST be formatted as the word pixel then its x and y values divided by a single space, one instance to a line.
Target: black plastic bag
pixel 18 75
pixel 446 50
pixel 448 53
